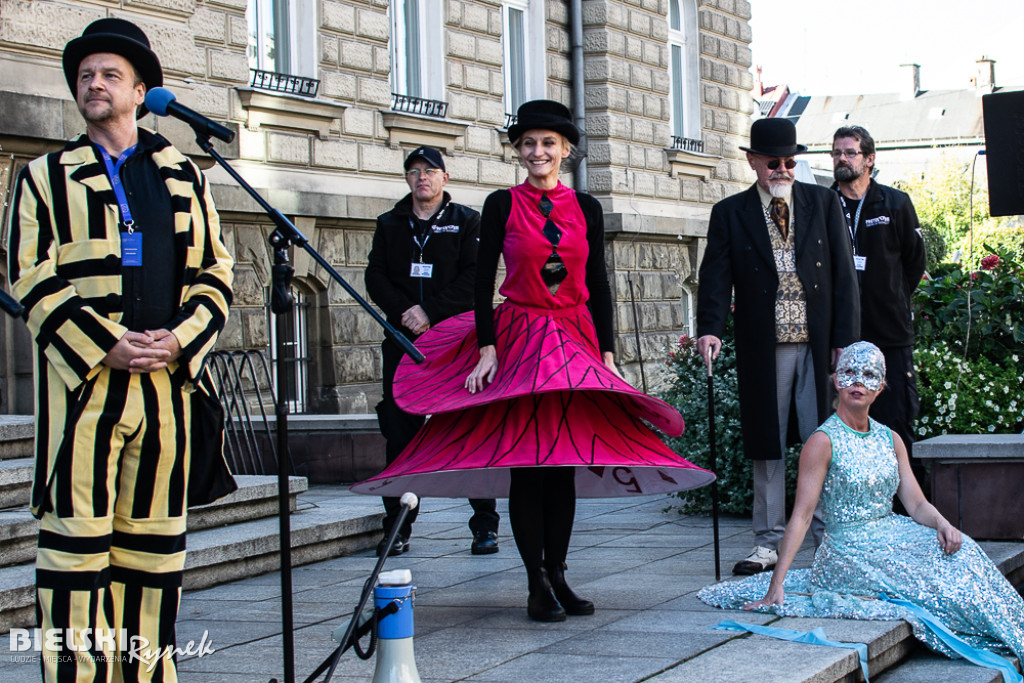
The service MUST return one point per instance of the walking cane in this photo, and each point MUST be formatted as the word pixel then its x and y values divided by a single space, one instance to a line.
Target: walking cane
pixel 714 467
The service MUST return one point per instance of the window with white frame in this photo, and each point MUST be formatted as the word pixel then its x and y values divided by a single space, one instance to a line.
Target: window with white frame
pixel 282 36
pixel 417 48
pixel 684 69
pixel 523 38
pixel 289 353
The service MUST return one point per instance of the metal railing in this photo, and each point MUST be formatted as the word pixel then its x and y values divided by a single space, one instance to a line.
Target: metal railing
pixel 287 83
pixel 510 120
pixel 243 445
pixel 418 105
pixel 687 144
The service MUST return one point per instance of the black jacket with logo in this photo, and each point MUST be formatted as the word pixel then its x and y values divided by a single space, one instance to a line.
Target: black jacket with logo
pixel 889 237
pixel 451 249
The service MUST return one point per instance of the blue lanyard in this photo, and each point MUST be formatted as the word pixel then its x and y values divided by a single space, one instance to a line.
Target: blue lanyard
pixel 856 219
pixel 113 172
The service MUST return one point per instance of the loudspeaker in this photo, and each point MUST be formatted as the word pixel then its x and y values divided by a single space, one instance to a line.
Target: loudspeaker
pixel 1004 151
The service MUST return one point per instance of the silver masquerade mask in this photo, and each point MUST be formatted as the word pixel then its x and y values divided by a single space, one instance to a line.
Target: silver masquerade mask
pixel 863 363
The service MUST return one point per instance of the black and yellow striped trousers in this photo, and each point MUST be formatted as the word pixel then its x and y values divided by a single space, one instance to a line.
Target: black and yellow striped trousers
pixel 112 532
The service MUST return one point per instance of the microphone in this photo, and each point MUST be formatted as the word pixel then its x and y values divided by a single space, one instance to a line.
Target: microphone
pixel 409 500
pixel 162 102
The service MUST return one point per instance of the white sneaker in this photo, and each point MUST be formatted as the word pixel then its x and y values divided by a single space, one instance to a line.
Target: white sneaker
pixel 760 559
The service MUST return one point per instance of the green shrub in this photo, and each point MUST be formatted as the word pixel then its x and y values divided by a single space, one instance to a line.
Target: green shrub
pixel 967 396
pixel 687 391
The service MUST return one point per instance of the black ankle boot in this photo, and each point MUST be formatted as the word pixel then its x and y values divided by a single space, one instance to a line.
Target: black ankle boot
pixel 573 604
pixel 542 605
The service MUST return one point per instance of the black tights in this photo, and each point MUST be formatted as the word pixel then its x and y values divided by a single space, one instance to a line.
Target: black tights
pixel 541 510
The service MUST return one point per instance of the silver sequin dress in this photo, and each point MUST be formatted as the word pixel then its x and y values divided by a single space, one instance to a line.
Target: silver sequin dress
pixel 868 549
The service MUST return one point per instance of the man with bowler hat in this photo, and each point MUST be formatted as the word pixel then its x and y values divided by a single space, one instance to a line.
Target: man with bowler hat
pixel 420 271
pixel 116 254
pixel 779 254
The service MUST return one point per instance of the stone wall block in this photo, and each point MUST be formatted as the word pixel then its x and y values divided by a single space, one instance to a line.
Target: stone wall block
pixel 247 287
pixel 288 149
pixel 637 156
pixel 353 325
pixel 453 74
pixel 495 25
pixel 381 159
pixel 374 91
pixel 643 184
pixel 336 154
pixel 462 45
pixel 652 108
pixel 337 16
pixel 661 84
pixel 209 24
pixel 625 259
pixel 356 364
pixel 252 144
pixel 229 66
pixel 659 28
pixel 255 334
pixel 462 107
pixel 640 77
pixel 238 31
pixel 477 78
pixel 479 140
pixel 381 60
pixel 639 23
pixel 475 17
pixel 712 192
pixel 667 188
pixel 356 54
pixel 329 50
pixel 497 173
pixel 372 24
pixel 177 49
pixel 634 48
pixel 331 245
pixel 497 84
pixel 212 100
pixel 595 41
pixel 635 103
pixel 464 169
pixel 230 338
pixel 358 244
pixel 655 55
pixel 340 86
pixel 454 13
pixel 491 111
pixel 742 9
pixel 559 67
pixel 489 52
pixel 643 131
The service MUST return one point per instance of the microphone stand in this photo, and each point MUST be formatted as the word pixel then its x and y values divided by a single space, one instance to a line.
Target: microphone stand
pixel 285 235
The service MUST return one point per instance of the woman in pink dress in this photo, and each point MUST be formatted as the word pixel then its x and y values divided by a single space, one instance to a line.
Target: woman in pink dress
pixel 525 400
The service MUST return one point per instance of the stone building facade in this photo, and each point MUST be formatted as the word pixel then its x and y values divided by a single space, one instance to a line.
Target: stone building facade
pixel 666 90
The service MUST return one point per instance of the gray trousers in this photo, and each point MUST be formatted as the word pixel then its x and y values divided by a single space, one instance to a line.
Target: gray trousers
pixel 794 382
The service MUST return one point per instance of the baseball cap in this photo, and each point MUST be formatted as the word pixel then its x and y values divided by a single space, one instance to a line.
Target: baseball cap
pixel 428 154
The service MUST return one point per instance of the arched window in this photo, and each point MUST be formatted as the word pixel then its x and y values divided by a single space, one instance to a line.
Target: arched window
pixel 684 71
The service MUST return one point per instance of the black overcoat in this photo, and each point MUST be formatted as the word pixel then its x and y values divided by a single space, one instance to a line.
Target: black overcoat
pixel 738 268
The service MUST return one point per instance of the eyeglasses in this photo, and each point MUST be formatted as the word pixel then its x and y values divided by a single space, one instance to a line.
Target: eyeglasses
pixel 848 153
pixel 415 173
pixel 553 271
pixel 790 164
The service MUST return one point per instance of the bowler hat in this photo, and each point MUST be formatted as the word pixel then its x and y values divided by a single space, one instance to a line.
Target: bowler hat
pixel 544 115
pixel 774 138
pixel 119 37
pixel 428 154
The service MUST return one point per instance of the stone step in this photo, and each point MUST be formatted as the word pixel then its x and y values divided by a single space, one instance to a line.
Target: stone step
pixel 324 525
pixel 925 666
pixel 15 482
pixel 255 498
pixel 17 436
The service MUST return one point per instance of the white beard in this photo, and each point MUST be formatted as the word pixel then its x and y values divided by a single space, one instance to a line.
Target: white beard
pixel 781 190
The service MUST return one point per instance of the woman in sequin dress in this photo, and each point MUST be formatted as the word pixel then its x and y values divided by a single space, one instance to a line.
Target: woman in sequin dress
pixel 855 465
pixel 525 399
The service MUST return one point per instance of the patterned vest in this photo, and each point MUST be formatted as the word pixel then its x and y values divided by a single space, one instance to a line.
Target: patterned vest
pixel 790 300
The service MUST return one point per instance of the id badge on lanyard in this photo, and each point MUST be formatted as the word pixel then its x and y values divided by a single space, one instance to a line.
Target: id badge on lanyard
pixel 419 268
pixel 131 241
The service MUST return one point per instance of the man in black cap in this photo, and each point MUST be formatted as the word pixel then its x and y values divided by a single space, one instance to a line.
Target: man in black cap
pixel 117 256
pixel 421 270
pixel 779 255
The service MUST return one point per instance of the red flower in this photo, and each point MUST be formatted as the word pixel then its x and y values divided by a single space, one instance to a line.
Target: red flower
pixel 990 262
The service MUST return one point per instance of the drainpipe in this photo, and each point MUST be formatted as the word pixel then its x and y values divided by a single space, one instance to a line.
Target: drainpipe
pixel 578 104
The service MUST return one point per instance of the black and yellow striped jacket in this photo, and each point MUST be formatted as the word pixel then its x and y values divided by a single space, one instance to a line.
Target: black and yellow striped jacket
pixel 65 268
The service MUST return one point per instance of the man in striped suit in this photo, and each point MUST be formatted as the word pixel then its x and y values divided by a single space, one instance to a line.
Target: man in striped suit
pixel 116 254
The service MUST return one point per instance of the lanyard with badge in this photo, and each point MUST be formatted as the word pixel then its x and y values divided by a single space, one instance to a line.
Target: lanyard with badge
pixel 419 268
pixel 859 262
pixel 131 241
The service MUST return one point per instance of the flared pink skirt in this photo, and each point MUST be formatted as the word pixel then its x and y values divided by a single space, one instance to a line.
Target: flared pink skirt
pixel 553 403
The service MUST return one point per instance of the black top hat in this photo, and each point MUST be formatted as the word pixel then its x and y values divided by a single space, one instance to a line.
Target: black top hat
pixel 428 154
pixel 544 115
pixel 119 37
pixel 774 138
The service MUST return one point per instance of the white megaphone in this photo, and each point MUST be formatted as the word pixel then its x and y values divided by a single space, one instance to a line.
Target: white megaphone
pixel 396 662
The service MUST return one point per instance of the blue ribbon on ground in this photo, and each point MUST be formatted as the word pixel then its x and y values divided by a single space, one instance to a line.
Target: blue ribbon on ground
pixel 815 637
pixel 989 660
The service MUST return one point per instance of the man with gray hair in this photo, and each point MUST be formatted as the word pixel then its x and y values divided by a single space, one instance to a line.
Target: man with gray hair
pixel 778 255
pixel 889 257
